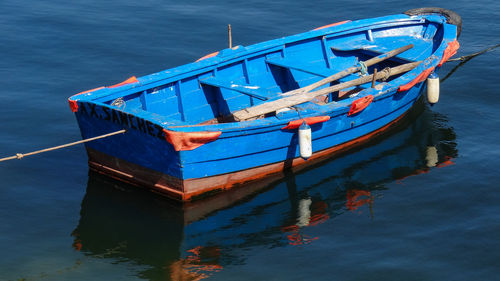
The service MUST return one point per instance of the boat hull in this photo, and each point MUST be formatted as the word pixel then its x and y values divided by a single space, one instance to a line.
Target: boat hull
pixel 197 188
pixel 179 142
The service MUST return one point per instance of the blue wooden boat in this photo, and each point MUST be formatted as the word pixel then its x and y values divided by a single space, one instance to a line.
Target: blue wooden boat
pixel 190 130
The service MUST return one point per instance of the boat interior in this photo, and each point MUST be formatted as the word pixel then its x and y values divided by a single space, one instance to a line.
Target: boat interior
pixel 210 92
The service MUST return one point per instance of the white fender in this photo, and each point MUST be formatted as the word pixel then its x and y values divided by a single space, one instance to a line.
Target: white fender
pixel 305 142
pixel 433 88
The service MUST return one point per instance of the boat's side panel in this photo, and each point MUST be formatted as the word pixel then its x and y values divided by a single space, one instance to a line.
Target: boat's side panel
pixel 143 143
pixel 193 179
pixel 195 188
pixel 272 145
pixel 198 186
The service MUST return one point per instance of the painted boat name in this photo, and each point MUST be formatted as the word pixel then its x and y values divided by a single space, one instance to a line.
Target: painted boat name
pixel 122 118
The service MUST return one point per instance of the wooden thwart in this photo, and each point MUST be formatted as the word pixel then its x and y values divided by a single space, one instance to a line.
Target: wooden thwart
pixel 350 70
pixel 302 97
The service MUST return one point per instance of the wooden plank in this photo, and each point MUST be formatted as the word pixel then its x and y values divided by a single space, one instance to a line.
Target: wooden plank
pixel 289 101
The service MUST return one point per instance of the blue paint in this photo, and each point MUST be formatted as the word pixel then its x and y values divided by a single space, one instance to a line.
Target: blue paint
pixel 178 98
pixel 433 75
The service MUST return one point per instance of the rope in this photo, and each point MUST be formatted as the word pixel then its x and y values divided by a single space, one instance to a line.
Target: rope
pixel 21 155
pixel 462 58
pixel 364 69
pixel 387 74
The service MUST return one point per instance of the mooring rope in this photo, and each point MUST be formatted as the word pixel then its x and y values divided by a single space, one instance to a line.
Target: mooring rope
pixel 21 155
pixel 462 58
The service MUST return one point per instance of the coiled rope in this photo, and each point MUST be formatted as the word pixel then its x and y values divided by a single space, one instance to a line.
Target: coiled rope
pixel 363 68
pixel 22 155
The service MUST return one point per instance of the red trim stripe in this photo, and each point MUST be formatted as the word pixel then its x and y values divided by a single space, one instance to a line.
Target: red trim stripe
pixel 309 121
pixel 208 56
pixel 420 78
pixel 131 80
pixel 332 24
pixel 88 91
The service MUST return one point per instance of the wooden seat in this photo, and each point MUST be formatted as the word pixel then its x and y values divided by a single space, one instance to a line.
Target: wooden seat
pixel 250 90
pixel 307 68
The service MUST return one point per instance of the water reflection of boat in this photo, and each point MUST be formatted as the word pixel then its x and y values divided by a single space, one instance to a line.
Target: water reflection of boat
pixel 190 242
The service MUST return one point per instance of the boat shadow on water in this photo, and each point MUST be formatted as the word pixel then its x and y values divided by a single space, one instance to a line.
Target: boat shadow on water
pixel 194 241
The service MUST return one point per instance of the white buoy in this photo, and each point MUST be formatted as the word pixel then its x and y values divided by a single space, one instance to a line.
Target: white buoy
pixel 433 88
pixel 305 142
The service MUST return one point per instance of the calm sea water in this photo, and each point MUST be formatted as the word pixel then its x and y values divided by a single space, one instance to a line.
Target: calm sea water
pixel 383 212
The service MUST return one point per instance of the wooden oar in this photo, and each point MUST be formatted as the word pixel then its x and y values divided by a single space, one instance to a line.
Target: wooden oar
pixel 288 101
pixel 348 71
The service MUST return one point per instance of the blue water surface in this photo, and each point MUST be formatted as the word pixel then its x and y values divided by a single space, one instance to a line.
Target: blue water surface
pixel 419 204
